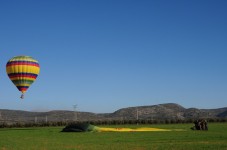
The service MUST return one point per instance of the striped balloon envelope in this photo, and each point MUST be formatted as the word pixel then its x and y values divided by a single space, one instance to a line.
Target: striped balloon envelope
pixel 22 71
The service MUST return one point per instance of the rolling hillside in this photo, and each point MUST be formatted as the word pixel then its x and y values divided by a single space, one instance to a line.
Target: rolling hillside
pixel 158 112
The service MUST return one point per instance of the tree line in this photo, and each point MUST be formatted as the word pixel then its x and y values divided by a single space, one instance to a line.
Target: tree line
pixel 103 122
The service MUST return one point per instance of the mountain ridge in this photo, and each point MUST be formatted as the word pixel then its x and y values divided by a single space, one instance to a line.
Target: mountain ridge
pixel 166 111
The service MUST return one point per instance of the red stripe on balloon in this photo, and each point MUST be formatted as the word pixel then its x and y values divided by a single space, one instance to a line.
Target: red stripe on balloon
pixel 23 76
pixel 22 63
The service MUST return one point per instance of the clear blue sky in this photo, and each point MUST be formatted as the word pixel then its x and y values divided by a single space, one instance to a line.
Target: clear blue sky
pixel 105 55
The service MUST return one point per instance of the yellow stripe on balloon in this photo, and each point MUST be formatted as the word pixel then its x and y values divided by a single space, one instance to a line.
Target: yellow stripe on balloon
pixel 22 78
pixel 22 84
pixel 21 68
pixel 23 58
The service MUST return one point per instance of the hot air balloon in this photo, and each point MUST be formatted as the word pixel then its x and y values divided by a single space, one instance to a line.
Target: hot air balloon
pixel 22 71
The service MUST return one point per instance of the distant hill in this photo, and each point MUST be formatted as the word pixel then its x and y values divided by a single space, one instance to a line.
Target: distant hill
pixel 158 112
pixel 168 111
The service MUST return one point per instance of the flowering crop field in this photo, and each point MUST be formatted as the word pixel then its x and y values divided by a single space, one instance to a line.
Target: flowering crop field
pixel 51 138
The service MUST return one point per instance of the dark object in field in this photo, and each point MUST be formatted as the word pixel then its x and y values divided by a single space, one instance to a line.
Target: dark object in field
pixel 79 127
pixel 200 124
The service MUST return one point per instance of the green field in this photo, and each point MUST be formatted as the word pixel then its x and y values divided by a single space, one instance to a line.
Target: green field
pixel 50 138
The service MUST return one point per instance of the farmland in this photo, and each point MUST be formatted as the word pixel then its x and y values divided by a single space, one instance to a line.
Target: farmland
pixel 51 138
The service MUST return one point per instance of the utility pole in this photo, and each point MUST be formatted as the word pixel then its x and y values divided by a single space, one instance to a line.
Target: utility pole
pixel 137 116
pixel 35 119
pixel 75 113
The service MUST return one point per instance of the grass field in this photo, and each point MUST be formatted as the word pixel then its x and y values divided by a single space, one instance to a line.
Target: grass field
pixel 50 138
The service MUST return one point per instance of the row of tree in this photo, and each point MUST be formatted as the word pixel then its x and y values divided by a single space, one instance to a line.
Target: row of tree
pixel 103 122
